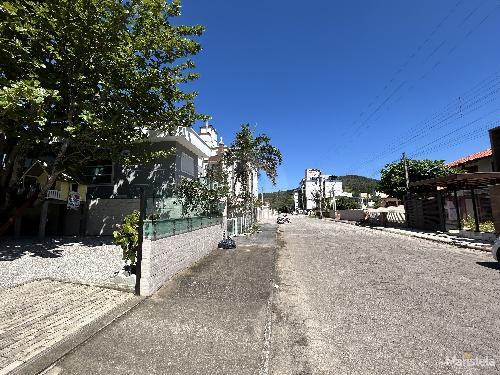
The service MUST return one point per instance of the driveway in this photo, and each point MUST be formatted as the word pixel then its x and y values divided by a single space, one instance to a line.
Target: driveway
pixel 51 299
pixel 87 260
pixel 42 320
pixel 357 301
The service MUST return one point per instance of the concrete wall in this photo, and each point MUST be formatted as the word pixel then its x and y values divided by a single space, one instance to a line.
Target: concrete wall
pixel 163 258
pixel 351 215
pixel 104 214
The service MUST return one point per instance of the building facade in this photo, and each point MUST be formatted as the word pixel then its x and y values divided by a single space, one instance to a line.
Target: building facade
pixel 315 184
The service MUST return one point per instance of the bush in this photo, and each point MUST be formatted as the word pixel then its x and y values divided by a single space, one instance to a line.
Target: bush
pixel 347 203
pixel 486 226
pixel 127 237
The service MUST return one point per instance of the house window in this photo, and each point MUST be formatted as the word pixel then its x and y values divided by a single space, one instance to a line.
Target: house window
pixel 99 172
pixel 74 187
pixel 187 164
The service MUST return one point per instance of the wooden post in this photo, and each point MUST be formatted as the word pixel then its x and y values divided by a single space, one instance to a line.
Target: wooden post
pixel 457 209
pixel 474 207
pixel 142 211
pixel 43 220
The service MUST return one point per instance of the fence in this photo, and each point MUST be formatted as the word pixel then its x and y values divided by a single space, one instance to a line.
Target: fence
pixel 387 218
pixel 239 225
pixel 156 229
pixel 165 217
pixel 173 239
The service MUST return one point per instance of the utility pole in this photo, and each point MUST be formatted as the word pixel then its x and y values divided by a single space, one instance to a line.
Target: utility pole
pixel 320 199
pixel 406 172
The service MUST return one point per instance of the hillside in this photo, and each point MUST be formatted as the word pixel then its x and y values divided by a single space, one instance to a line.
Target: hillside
pixel 279 200
pixel 358 184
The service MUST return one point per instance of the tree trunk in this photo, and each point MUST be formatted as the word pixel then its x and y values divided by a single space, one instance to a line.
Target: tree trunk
pixel 13 182
pixel 37 199
pixel 54 175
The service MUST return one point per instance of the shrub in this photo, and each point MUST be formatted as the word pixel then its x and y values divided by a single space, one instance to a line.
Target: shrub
pixel 127 237
pixel 486 226
pixel 347 203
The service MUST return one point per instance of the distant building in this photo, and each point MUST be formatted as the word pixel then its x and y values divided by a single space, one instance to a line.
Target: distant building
pixel 314 183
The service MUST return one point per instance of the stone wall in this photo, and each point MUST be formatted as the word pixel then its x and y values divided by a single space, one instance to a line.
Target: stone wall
pixel 104 214
pixel 163 258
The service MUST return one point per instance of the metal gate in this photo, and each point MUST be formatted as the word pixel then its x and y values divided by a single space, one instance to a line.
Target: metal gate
pixel 425 212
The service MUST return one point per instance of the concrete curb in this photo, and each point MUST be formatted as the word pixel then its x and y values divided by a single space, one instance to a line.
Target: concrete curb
pixel 425 236
pixel 46 359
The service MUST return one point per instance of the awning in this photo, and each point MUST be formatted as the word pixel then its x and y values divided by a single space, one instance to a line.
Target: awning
pixel 460 181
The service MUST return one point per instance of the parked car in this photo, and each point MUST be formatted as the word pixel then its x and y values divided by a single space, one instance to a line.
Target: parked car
pixel 494 250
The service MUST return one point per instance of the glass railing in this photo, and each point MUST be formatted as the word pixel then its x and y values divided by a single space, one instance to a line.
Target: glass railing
pixel 156 229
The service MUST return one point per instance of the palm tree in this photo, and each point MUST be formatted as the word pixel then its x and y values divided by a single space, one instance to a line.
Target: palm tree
pixel 249 155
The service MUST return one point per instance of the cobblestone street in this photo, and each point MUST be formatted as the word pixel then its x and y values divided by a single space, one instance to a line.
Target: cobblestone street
pixel 353 300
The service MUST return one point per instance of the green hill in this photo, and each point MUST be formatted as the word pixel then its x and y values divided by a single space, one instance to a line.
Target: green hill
pixel 280 200
pixel 358 184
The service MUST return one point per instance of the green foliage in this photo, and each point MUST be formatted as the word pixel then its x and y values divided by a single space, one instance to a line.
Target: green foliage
pixel 486 226
pixel 281 201
pixel 249 154
pixel 127 237
pixel 81 79
pixel 322 203
pixel 358 184
pixel 347 203
pixel 200 196
pixel 393 180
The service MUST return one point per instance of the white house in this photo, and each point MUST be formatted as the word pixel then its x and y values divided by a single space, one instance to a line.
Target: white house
pixel 314 183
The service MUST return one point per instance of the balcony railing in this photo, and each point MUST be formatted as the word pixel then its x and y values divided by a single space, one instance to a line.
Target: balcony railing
pixel 54 194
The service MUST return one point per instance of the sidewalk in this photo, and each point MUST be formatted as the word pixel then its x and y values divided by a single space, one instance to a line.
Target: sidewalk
pixel 209 319
pixel 43 320
pixel 432 236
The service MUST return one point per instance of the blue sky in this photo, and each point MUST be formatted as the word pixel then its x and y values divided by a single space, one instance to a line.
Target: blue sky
pixel 347 86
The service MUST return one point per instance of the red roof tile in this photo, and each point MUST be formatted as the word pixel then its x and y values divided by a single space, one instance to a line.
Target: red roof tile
pixel 476 156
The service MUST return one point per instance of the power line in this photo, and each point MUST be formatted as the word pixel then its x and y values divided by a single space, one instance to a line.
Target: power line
pixel 365 124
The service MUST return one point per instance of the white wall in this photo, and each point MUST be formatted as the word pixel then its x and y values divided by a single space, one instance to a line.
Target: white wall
pixel 163 258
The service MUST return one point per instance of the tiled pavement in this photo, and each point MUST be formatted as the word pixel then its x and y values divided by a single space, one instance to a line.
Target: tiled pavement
pixel 37 315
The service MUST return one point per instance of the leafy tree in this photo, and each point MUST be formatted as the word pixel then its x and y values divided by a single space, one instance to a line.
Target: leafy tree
pixel 246 155
pixel 323 204
pixel 393 179
pixel 281 201
pixel 347 203
pixel 200 195
pixel 83 79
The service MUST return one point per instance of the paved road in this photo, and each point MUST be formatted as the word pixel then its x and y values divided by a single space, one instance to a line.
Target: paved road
pixel 209 319
pixel 356 301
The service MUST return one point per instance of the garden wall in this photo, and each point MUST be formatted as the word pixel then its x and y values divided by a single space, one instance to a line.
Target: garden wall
pixel 104 214
pixel 163 258
pixel 351 215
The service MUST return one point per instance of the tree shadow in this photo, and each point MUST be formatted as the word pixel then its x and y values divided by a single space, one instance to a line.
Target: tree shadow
pixel 12 249
pixel 492 265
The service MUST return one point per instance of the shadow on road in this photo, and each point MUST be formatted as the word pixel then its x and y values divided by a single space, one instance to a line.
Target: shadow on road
pixel 492 265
